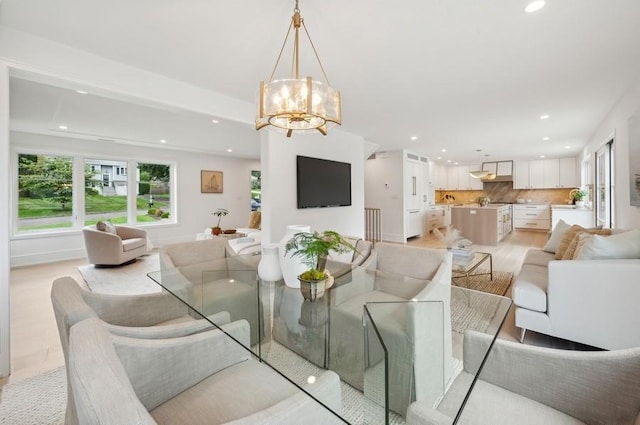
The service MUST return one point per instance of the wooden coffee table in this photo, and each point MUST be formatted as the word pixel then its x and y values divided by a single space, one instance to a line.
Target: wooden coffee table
pixel 464 268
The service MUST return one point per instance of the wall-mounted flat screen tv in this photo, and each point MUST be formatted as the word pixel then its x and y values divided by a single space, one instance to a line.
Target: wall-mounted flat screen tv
pixel 323 183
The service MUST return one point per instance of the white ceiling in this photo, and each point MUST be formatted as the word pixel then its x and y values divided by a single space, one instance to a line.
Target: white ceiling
pixel 461 75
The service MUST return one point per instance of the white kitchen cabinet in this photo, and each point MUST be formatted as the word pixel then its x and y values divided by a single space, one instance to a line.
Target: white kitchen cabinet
pixel 551 173
pixel 413 222
pixel 439 176
pixel 568 173
pixel 465 181
pixel 452 178
pixel 528 216
pixel 414 183
pixel 437 217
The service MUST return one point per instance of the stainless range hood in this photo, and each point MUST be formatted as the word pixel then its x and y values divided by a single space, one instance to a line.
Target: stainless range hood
pixel 500 171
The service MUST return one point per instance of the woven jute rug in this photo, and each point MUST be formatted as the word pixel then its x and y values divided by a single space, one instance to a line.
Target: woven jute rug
pixel 478 312
pixel 39 400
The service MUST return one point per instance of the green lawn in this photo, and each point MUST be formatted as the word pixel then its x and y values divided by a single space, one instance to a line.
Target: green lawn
pixel 96 204
pixel 67 225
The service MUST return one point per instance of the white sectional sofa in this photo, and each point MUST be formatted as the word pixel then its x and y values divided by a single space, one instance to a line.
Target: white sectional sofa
pixel 592 299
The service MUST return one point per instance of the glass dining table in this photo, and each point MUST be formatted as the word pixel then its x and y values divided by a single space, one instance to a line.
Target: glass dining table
pixel 388 351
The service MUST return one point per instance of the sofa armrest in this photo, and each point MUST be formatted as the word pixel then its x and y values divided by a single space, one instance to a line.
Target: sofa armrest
pixel 595 387
pixel 191 359
pixel 595 301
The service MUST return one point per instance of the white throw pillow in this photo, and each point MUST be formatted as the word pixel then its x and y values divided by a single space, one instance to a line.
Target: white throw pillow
pixel 556 237
pixel 619 246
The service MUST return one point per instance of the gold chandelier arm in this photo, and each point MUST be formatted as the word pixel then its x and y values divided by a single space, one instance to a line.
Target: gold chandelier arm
pixel 284 44
pixel 315 52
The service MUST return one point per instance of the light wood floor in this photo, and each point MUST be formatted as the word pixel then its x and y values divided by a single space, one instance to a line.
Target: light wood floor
pixel 35 344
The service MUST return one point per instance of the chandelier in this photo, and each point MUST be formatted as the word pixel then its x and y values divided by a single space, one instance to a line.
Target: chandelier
pixel 298 104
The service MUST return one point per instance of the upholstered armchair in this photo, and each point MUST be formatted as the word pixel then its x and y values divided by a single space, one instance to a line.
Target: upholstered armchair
pixel 528 385
pixel 114 246
pixel 149 316
pixel 206 378
pixel 397 274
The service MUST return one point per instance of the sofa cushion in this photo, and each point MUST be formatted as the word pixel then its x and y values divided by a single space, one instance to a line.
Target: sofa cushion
pixel 556 237
pixel 538 257
pixel 530 288
pixel 619 246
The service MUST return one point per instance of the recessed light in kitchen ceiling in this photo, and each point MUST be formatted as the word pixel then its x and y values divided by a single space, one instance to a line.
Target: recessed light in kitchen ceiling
pixel 443 150
pixel 544 117
pixel 567 147
pixel 545 138
pixel 82 92
pixel 541 156
pixel 63 127
pixel 229 150
pixel 414 137
pixel 163 141
pixel 534 6
pixel 215 121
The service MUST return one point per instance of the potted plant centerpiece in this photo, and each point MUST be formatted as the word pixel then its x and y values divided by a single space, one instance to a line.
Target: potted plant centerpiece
pixel 220 212
pixel 313 249
pixel 578 197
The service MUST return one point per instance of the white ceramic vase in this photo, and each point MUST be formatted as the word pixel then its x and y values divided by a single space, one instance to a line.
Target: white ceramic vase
pixel 269 266
pixel 291 266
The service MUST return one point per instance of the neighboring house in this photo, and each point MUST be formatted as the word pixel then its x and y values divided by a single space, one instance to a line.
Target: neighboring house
pixel 110 176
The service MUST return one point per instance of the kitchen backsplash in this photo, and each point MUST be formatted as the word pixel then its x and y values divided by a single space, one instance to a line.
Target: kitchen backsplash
pixel 504 192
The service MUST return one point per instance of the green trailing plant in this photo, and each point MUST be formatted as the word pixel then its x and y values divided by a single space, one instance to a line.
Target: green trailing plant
pixel 220 212
pixel 313 249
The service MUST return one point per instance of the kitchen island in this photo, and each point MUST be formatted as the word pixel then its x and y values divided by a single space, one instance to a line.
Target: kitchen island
pixel 486 225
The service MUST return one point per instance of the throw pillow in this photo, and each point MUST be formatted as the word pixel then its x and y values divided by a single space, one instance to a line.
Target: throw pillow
pixel 619 246
pixel 110 227
pixel 101 226
pixel 556 236
pixel 582 239
pixel 571 233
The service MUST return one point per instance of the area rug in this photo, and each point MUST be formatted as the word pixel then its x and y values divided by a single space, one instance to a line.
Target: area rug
pixel 129 279
pixel 478 312
pixel 39 400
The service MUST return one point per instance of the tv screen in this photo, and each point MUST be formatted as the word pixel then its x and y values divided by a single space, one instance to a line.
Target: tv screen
pixel 323 183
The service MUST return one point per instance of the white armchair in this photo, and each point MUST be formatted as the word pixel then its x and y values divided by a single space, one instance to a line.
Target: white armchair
pixel 207 378
pixel 105 248
pixel 528 385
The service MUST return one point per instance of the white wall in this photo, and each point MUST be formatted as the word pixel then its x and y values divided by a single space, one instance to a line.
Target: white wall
pixel 616 124
pixel 193 208
pixel 278 160
pixel 384 189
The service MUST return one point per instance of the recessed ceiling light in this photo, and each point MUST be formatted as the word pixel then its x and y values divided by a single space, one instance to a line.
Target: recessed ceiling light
pixel 541 156
pixel 439 157
pixel 443 150
pixel 545 138
pixel 163 141
pixel 414 137
pixel 448 160
pixel 229 150
pixel 544 117
pixel 455 163
pixel 215 121
pixel 567 147
pixel 82 92
pixel 534 6
pixel 62 127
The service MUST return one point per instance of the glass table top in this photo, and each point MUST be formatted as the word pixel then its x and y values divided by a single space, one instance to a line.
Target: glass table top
pixel 367 328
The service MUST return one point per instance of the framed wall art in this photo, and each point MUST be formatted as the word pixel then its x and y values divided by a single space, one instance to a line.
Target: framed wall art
pixel 211 181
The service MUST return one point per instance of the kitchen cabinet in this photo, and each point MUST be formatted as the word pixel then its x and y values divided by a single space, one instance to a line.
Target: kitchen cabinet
pixel 548 173
pixel 499 168
pixel 572 215
pixel 413 221
pixel 527 216
pixel 414 183
pixel 437 217
pixel 439 175
pixel 465 181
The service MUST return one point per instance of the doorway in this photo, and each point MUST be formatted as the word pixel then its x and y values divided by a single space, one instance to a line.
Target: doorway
pixel 605 193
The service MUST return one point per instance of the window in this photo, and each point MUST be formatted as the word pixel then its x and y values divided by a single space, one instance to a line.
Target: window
pixel 45 189
pixel 48 200
pixel 154 192
pixel 605 185
pixel 256 190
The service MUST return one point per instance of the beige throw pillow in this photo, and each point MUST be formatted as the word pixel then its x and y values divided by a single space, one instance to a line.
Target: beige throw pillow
pixel 572 233
pixel 556 237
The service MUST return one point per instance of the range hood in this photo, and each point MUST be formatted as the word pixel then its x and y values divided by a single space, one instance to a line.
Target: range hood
pixel 500 171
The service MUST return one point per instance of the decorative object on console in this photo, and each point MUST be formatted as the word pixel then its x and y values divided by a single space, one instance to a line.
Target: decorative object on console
pixel 313 249
pixel 220 212
pixel 291 266
pixel 484 201
pixel 269 266
pixel 294 103
pixel 452 239
pixel 577 195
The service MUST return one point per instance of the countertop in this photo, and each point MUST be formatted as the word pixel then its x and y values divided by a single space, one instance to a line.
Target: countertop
pixel 475 206
pixel 569 207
